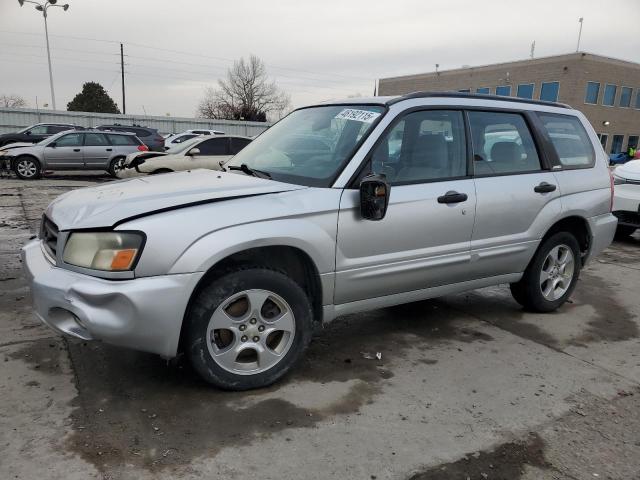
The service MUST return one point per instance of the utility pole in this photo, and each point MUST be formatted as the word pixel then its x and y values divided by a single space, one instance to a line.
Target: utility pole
pixel 533 49
pixel 124 102
pixel 580 20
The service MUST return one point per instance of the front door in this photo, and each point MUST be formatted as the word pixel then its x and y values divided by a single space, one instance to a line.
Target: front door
pixel 424 240
pixel 65 152
pixel 517 195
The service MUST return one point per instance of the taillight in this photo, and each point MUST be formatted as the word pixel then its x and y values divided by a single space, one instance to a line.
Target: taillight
pixel 612 183
pixel 143 148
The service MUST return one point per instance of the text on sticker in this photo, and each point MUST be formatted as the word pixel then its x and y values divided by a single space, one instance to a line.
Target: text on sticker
pixel 358 115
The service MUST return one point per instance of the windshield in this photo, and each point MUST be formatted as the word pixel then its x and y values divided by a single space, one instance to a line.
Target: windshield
pixel 312 145
pixel 181 147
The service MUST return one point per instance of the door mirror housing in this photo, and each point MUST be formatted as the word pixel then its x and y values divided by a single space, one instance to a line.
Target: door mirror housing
pixel 28 132
pixel 374 197
pixel 193 151
pixel 52 145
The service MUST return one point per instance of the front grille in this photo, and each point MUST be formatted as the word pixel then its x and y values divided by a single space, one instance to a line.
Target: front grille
pixel 628 218
pixel 49 236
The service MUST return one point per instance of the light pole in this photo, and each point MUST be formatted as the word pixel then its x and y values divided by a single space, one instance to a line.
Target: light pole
pixel 43 7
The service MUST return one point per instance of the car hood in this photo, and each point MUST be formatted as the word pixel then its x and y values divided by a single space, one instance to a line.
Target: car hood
pixel 143 155
pixel 13 146
pixel 629 170
pixel 113 203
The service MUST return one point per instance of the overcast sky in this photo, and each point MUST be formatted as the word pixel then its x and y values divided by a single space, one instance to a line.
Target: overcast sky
pixel 315 50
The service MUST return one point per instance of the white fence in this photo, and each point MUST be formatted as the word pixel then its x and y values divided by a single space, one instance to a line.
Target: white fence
pixel 12 119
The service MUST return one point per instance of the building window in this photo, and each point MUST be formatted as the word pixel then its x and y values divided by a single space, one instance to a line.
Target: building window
pixel 593 90
pixel 603 140
pixel 633 142
pixel 638 98
pixel 525 90
pixel 625 97
pixel 504 90
pixel 616 143
pixel 549 91
pixel 609 96
pixel 487 91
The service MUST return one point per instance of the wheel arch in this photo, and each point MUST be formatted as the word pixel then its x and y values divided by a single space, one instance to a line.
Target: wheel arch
pixel 14 161
pixel 290 260
pixel 576 225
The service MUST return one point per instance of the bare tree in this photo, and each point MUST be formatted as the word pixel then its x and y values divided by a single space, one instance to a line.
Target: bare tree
pixel 246 93
pixel 12 101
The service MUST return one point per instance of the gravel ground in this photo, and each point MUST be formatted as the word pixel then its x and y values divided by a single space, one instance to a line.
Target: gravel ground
pixel 469 386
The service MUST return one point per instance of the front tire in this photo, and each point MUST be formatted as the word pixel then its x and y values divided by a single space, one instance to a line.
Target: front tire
pixel 246 329
pixel 551 275
pixel 27 168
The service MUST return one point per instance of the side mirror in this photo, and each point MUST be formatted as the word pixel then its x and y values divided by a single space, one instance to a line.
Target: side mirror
pixel 52 145
pixel 28 132
pixel 194 151
pixel 374 197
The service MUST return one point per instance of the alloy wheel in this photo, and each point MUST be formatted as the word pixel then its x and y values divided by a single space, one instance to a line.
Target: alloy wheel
pixel 557 272
pixel 26 168
pixel 250 332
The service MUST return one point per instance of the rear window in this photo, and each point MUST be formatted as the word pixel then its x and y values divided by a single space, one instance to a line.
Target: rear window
pixel 570 140
pixel 122 139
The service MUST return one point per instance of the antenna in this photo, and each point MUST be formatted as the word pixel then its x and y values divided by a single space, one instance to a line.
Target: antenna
pixel 580 20
pixel 533 49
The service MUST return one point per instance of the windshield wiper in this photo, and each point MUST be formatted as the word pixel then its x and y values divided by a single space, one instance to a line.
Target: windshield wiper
pixel 244 168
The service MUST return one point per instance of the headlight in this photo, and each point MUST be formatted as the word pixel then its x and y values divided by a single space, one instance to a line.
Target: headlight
pixel 109 251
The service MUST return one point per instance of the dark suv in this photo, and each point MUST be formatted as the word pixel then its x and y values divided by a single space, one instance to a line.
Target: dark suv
pixel 149 136
pixel 36 133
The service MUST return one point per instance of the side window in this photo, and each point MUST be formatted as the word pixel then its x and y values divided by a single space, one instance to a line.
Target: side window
pixel 215 146
pixel 423 146
pixel 502 144
pixel 38 130
pixel 238 144
pixel 53 129
pixel 70 140
pixel 95 140
pixel 121 139
pixel 141 132
pixel 570 140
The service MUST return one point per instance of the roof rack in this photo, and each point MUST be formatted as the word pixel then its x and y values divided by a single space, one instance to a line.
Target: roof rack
pixel 479 96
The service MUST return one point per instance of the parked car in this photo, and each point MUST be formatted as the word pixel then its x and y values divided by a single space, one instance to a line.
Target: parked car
pixel 236 267
pixel 36 133
pixel 79 150
pixel 149 136
pixel 199 152
pixel 200 131
pixel 626 201
pixel 174 140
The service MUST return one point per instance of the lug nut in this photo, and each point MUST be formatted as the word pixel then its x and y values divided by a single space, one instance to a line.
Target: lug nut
pixel 244 338
pixel 261 328
pixel 253 321
pixel 243 328
pixel 256 338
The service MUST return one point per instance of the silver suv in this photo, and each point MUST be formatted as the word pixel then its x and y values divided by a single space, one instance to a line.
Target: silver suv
pixel 73 150
pixel 386 201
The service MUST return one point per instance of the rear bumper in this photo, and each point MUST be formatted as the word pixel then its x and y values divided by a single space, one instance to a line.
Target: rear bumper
pixel 144 313
pixel 603 229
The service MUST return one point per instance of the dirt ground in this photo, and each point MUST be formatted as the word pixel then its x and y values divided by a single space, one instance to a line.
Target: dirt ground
pixel 468 387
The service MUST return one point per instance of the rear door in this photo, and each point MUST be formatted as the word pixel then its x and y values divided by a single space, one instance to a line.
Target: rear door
pixel 66 152
pixel 96 151
pixel 517 192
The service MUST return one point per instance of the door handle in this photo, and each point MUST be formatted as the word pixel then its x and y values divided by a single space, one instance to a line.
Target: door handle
pixel 109 149
pixel 544 187
pixel 76 149
pixel 452 197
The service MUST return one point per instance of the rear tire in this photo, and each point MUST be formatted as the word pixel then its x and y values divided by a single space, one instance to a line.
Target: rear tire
pixel 247 328
pixel 27 168
pixel 624 231
pixel 551 275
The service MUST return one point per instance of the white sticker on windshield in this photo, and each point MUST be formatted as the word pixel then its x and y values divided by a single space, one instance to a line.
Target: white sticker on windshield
pixel 358 115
